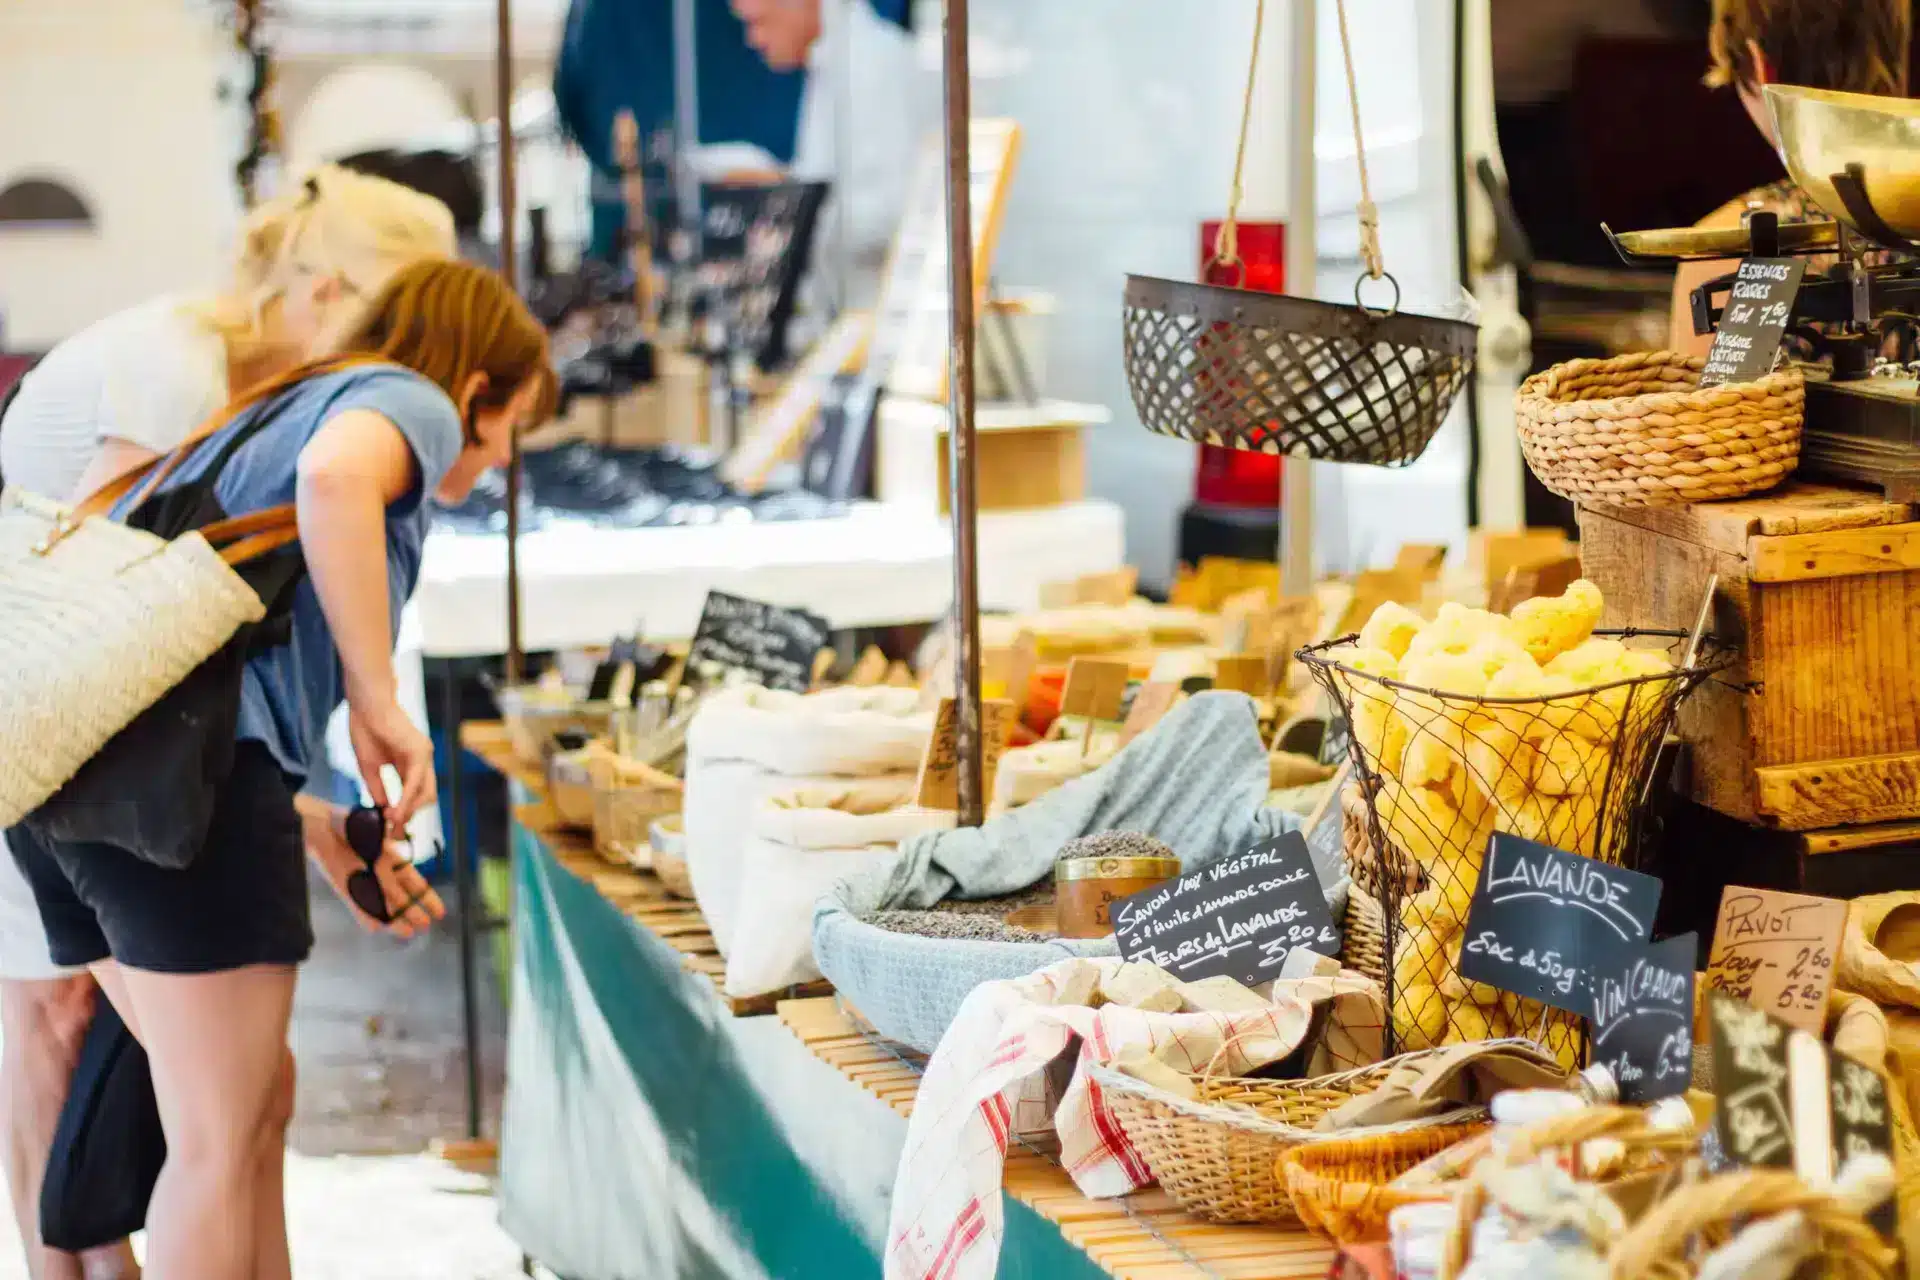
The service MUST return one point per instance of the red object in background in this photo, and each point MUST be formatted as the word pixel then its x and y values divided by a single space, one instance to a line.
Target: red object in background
pixel 1234 477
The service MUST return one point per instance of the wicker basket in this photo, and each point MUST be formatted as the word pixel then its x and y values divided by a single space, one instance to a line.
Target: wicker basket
pixel 1339 1188
pixel 668 840
pixel 1364 949
pixel 1639 431
pixel 627 798
pixel 1219 1157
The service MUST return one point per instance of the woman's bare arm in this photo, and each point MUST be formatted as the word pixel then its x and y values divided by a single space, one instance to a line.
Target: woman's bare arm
pixel 352 469
pixel 115 459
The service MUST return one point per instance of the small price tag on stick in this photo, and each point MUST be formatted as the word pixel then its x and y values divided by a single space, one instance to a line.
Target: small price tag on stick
pixel 1096 688
pixel 1007 670
pixel 939 786
pixel 1151 702
pixel 1777 952
pixel 1243 673
pixel 1753 321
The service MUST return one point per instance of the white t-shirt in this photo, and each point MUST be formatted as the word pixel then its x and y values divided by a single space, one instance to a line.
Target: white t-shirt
pixel 147 375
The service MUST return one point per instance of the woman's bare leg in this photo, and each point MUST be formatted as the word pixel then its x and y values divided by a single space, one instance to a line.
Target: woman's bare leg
pixel 217 1043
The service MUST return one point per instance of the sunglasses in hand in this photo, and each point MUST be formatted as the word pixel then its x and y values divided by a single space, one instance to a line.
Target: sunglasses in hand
pixel 366 828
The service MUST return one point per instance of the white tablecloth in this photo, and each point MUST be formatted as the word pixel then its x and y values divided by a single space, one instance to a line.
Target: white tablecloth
pixel 580 586
pixel 879 566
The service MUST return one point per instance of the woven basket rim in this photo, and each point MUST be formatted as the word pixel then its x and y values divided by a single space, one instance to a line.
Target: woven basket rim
pixel 1309 1159
pixel 1224 304
pixel 1533 388
pixel 1716 656
pixel 1238 1116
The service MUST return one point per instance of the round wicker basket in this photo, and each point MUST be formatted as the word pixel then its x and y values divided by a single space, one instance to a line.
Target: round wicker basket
pixel 1640 431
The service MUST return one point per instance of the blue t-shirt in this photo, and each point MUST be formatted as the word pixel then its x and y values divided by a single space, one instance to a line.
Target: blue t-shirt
pixel 290 691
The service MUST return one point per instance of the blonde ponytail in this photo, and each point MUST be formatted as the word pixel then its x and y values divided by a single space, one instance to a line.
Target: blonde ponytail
pixel 359 228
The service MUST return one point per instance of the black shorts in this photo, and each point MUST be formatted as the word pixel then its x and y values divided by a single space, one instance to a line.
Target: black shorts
pixel 242 901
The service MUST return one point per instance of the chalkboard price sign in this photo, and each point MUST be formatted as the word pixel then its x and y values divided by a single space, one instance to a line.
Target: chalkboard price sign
pixel 1777 952
pixel 1753 321
pixel 1239 917
pixel 1535 910
pixel 1752 1113
pixel 1643 1014
pixel 775 646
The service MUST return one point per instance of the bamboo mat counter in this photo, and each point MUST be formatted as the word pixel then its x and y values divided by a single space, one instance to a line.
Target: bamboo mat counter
pixel 638 895
pixel 1144 1237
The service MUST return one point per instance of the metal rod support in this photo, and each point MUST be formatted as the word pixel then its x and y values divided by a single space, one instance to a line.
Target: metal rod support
pixel 465 900
pixel 966 575
pixel 509 268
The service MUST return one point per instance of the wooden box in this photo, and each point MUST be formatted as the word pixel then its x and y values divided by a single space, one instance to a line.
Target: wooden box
pixel 1818 722
pixel 672 410
pixel 1026 455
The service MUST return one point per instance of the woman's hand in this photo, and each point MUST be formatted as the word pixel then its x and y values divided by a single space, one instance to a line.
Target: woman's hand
pixel 383 735
pixel 411 902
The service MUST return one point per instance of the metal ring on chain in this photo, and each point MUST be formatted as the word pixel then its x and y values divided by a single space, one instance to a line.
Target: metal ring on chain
pixel 1391 310
pixel 1236 262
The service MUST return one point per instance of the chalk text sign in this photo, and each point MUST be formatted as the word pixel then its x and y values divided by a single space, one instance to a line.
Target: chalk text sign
pixel 1239 917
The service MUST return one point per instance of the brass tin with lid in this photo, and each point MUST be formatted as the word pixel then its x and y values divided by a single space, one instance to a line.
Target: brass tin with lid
pixel 1087 888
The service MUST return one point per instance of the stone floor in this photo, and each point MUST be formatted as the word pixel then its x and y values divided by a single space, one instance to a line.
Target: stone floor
pixel 377 1031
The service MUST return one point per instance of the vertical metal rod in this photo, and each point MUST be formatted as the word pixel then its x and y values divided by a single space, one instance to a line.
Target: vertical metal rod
pixel 843 158
pixel 1296 476
pixel 966 575
pixel 464 898
pixel 686 125
pixel 510 268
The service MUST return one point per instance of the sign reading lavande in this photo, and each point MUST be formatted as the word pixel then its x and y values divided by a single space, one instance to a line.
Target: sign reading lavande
pixel 1239 917
pixel 1753 321
pixel 1527 930
pixel 775 645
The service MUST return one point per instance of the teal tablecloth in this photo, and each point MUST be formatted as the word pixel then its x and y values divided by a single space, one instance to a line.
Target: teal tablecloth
pixel 650 1135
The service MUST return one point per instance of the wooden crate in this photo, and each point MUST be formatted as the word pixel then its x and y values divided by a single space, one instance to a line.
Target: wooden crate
pixel 1027 456
pixel 1820 588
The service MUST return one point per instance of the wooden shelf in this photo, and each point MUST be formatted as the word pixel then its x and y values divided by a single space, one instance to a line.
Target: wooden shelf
pixel 638 895
pixel 1119 1235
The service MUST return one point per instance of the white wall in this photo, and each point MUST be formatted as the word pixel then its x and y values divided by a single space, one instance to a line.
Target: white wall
pixel 116 98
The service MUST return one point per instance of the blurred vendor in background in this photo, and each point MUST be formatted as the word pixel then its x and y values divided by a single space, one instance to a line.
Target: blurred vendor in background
pixel 768 90
pixel 1856 46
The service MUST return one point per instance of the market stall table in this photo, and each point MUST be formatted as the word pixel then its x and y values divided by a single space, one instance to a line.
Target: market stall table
pixel 648 1131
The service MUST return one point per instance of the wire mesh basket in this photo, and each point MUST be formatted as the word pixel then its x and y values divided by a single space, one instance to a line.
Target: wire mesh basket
pixel 1439 773
pixel 1276 374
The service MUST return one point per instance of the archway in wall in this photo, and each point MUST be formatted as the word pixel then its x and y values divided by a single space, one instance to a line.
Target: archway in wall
pixel 38 203
pixel 365 106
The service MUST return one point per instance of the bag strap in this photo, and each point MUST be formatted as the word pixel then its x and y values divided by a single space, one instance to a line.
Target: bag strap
pixel 255 545
pixel 150 475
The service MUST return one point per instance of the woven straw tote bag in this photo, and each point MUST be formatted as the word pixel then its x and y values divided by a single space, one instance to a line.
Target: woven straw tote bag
pixel 99 620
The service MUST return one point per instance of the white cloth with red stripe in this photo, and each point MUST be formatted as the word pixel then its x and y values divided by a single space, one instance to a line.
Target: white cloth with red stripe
pixel 985 1084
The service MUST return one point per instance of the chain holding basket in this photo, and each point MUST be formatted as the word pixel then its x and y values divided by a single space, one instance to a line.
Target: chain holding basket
pixel 1438 773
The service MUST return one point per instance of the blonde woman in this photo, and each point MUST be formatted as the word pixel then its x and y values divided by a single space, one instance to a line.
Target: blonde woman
pixel 110 397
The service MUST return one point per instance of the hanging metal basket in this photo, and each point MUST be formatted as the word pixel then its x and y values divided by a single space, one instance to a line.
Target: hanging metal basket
pixel 1276 374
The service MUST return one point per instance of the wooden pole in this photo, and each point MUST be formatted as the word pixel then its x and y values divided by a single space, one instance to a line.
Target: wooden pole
pixel 966 576
pixel 510 268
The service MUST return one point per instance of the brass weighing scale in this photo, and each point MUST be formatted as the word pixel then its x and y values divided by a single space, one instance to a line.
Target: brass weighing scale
pixel 1858 158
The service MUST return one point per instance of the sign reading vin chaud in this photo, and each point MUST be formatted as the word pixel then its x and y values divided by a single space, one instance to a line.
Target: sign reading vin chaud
pixel 1239 917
